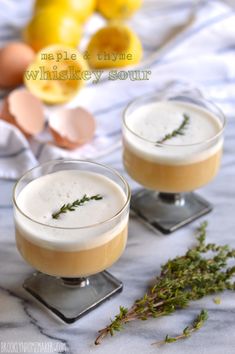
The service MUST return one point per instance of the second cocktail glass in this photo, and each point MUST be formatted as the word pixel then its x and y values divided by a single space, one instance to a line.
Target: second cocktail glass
pixel 172 146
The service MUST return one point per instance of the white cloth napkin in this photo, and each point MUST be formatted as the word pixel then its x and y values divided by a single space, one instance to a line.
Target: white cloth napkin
pixel 187 44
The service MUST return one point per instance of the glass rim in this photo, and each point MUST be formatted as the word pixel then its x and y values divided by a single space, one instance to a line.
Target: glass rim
pixel 110 169
pixel 149 96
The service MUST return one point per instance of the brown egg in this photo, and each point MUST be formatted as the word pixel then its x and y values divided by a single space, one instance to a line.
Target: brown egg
pixel 15 57
pixel 72 128
pixel 25 111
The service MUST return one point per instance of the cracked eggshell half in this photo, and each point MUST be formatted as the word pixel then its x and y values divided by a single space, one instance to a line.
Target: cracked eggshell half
pixel 72 128
pixel 25 111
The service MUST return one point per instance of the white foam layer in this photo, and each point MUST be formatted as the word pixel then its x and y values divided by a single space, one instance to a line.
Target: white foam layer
pixel 46 194
pixel 154 121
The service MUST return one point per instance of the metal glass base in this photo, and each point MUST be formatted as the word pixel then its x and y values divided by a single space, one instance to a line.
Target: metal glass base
pixel 72 298
pixel 168 212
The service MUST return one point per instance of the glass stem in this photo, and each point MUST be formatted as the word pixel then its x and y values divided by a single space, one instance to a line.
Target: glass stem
pixel 172 198
pixel 75 282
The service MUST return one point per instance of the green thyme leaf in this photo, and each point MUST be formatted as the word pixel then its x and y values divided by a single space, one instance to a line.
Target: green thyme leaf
pixel 217 300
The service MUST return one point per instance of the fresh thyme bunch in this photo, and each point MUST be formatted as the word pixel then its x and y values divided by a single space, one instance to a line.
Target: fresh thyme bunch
pixel 182 279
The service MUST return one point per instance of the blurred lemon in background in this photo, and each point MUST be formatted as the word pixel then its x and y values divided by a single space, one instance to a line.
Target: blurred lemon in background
pixel 82 9
pixel 52 26
pixel 55 75
pixel 113 46
pixel 118 9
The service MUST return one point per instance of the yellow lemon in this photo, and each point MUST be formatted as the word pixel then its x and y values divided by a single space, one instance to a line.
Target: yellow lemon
pixel 82 9
pixel 114 46
pixel 118 9
pixel 52 26
pixel 56 74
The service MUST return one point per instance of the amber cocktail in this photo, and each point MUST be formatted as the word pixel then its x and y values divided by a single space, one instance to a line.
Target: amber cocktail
pixel 71 220
pixel 172 146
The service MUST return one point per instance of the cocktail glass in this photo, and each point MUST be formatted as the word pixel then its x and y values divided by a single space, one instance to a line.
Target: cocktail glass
pixel 167 201
pixel 71 282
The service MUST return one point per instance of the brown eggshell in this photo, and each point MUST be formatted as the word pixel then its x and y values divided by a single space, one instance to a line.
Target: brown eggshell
pixel 72 128
pixel 25 111
pixel 5 114
pixel 15 57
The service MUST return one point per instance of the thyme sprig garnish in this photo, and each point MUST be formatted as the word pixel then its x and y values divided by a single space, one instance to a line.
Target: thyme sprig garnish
pixel 179 131
pixel 188 331
pixel 182 279
pixel 71 206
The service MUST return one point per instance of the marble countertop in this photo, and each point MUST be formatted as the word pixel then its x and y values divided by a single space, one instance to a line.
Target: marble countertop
pixel 23 320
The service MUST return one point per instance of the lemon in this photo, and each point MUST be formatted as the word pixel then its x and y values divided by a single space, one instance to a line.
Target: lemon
pixel 118 9
pixel 56 74
pixel 114 46
pixel 82 9
pixel 52 26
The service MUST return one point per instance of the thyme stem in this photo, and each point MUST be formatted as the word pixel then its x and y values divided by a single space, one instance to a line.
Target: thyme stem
pixel 188 331
pixel 179 131
pixel 71 206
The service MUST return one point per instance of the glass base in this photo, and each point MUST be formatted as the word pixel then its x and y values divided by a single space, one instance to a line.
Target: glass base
pixel 72 298
pixel 168 212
